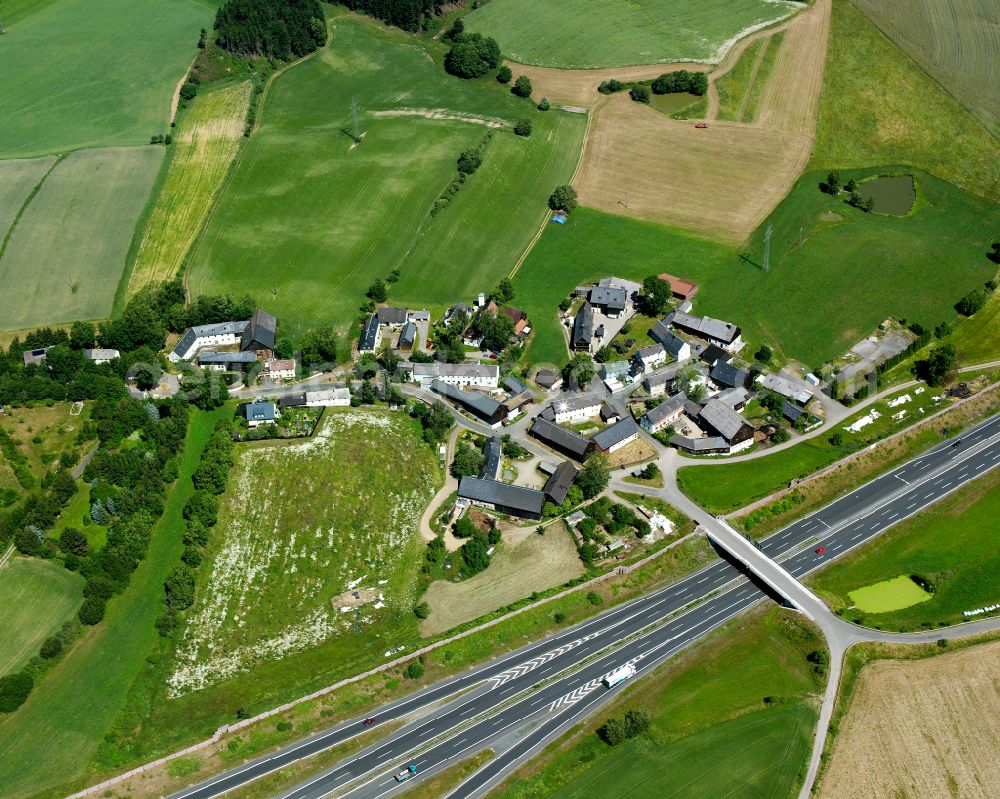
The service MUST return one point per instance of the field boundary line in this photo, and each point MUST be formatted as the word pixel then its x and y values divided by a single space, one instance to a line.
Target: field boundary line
pixel 396 662
pixel 848 458
pixel 7 556
pixel 758 61
pixel 27 201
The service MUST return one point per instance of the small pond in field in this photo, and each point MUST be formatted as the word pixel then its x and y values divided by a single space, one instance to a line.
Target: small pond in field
pixel 669 103
pixel 892 195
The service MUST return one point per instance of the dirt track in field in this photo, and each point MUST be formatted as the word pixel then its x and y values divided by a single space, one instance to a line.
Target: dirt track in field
pixel 923 729
pixel 723 181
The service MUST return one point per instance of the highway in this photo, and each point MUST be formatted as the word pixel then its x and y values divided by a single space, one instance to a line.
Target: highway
pixel 528 697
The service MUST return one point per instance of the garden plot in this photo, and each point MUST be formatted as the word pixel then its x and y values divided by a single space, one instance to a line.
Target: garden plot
pixel 315 540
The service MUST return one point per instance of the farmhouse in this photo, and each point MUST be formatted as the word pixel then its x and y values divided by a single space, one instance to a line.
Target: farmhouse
pixel 391 316
pixel 371 335
pixel 715 331
pixel 475 402
pixel 583 328
pixel 457 313
pixel 222 361
pixel 457 374
pixel 407 336
pixel 664 414
pixel 713 355
pixel 283 369
pixel 557 486
pixel 617 436
pixel 326 398
pixel 728 424
pixel 725 374
pixel 418 316
pixel 676 347
pixel 659 383
pixel 791 411
pixel 518 395
pixel 101 356
pixel 680 288
pixel 492 458
pixel 35 357
pixel 513 500
pixel 575 408
pixel 559 438
pixel 735 398
pixel 256 334
pixel 610 299
pixel 608 414
pixel 648 358
pixel 786 388
pixel 518 317
pixel 258 412
pixel 714 445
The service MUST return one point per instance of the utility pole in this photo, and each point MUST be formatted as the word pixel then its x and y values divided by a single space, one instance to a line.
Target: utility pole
pixel 354 120
pixel 767 248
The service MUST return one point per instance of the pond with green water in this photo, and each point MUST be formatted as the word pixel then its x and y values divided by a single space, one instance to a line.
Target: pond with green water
pixel 893 194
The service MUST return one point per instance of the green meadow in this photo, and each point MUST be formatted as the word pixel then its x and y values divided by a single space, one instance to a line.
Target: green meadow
pixel 835 271
pixel 75 73
pixel 66 253
pixel 310 219
pixel 37 596
pixel 888 595
pixel 951 545
pixel 708 709
pixel 581 34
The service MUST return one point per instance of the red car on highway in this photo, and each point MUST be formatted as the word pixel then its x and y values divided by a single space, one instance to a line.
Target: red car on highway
pixel 821 550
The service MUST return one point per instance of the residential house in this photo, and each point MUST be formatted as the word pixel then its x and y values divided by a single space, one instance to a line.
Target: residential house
pixel 786 388
pixel 610 299
pixel 664 414
pixel 608 414
pixel 620 434
pixel 512 500
pixel 548 379
pixel 715 331
pixel 463 375
pixel 258 412
pixel 35 357
pixel 518 396
pixel 279 369
pixel 728 376
pixel 492 458
pixel 222 334
pixel 727 423
pixel 418 316
pixel 735 398
pixel 324 398
pixel 712 445
pixel 371 335
pixel 407 336
pixel 560 439
pixel 459 312
pixel 616 370
pixel 226 361
pixel 100 356
pixel 676 347
pixel 391 316
pixel 680 288
pixel 791 411
pixel 518 317
pixel 576 408
pixel 713 355
pixel 648 358
pixel 474 402
pixel 260 333
pixel 559 483
pixel 583 328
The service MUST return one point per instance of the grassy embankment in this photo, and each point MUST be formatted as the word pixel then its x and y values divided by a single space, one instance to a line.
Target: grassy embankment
pixel 708 707
pixel 805 319
pixel 309 219
pixel 742 88
pixel 952 545
pixel 37 597
pixel 79 74
pixel 577 34
pixel 209 139
pixel 47 745
pixel 878 107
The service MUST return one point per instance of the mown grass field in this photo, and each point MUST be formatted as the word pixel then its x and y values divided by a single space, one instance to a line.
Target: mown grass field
pixel 707 709
pixel 535 563
pixel 78 227
pixel 877 107
pixel 17 180
pixel 37 596
pixel 887 595
pixel 952 544
pixel 923 263
pixel 577 34
pixel 47 745
pixel 79 74
pixel 278 564
pixel 723 487
pixel 978 337
pixel 210 136
pixel 954 40
pixel 308 221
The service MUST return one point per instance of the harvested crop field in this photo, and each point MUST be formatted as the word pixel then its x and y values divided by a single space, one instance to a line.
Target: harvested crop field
pixel 722 181
pixel 535 563
pixel 207 144
pixel 78 226
pixel 922 729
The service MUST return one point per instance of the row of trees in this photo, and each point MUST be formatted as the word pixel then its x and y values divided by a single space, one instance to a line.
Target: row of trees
pixel 406 14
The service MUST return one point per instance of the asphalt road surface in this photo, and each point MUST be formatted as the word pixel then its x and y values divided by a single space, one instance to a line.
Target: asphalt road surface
pixel 530 692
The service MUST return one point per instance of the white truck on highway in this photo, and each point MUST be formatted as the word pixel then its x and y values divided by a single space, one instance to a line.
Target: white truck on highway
pixel 406 773
pixel 619 675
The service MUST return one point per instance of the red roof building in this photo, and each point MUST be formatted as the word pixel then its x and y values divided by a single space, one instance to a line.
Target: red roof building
pixel 682 289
